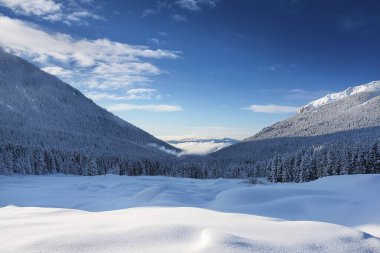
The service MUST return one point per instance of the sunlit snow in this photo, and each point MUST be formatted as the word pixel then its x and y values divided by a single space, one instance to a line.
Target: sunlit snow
pixel 162 214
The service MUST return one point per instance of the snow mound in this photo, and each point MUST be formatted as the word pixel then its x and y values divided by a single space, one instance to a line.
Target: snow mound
pixel 373 87
pixel 169 230
pixel 112 213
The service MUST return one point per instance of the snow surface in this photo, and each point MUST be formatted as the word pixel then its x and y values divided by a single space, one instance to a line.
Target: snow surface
pixel 161 214
pixel 373 87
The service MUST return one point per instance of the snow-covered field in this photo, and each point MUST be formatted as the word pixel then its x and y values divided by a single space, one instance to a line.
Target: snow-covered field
pixel 59 213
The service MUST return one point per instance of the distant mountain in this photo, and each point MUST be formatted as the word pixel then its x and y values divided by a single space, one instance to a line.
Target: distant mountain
pixel 214 140
pixel 41 114
pixel 202 146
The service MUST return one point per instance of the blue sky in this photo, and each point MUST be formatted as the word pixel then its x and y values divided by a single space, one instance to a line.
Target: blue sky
pixel 201 68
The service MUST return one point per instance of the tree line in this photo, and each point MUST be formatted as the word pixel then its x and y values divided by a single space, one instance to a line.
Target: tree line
pixel 301 163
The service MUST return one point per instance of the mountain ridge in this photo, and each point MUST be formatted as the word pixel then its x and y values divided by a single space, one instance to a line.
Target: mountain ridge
pixel 372 87
pixel 337 138
pixel 358 107
pixel 24 86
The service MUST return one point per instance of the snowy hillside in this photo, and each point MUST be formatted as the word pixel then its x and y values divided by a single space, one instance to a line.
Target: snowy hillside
pixel 42 116
pixel 201 146
pixel 354 108
pixel 161 214
pixel 334 135
pixel 372 87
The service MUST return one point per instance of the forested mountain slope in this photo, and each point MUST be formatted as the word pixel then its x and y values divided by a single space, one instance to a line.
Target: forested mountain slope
pixel 48 126
pixel 354 108
pixel 337 134
pixel 41 115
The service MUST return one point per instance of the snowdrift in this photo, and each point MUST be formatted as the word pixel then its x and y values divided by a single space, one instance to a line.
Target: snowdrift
pixel 160 214
pixel 170 230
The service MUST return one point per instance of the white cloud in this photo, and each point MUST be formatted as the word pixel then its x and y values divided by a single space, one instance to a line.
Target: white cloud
pixel 32 7
pixel 270 68
pixel 51 10
pixel 154 41
pixel 142 93
pixel 178 17
pixel 272 108
pixel 132 94
pixel 196 5
pixel 175 10
pixel 100 63
pixel 151 108
pixel 104 69
pixel 73 17
pixel 103 96
pixel 58 71
pixel 148 12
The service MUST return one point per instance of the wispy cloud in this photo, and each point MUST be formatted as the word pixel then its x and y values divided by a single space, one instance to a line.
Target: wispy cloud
pixel 151 108
pixel 270 67
pixel 176 10
pixel 148 12
pixel 272 108
pixel 142 93
pixel 132 94
pixel 104 69
pixel 91 64
pixel 239 35
pixel 154 41
pixel 196 5
pixel 41 8
pixel 178 17
pixel 356 20
pixel 159 7
pixel 292 94
pixel 58 71
pixel 301 94
pixel 69 12
pixel 277 67
pixel 97 96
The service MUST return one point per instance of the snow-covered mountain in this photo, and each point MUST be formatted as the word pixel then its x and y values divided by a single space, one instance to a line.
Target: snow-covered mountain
pixel 201 146
pixel 353 108
pixel 48 126
pixel 372 87
pixel 40 112
pixel 337 134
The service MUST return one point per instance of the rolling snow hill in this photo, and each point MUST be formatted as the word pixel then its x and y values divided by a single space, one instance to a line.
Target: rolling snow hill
pixel 163 214
pixel 41 115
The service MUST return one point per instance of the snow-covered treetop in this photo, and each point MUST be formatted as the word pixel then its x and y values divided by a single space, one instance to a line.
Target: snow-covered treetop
pixel 373 87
